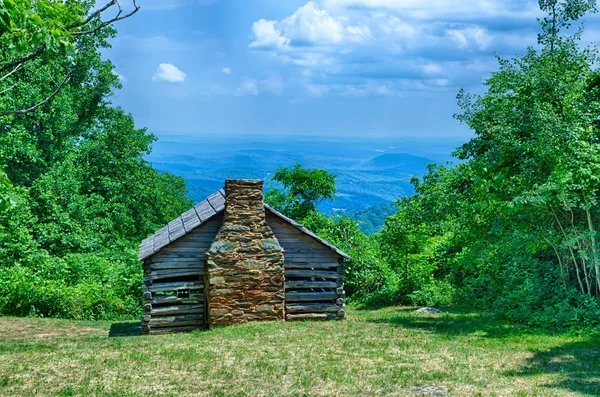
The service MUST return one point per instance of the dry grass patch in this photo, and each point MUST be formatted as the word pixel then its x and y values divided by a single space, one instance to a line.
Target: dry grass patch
pixel 380 352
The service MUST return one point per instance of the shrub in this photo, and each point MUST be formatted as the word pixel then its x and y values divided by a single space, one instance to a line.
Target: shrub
pixel 435 293
pixel 86 288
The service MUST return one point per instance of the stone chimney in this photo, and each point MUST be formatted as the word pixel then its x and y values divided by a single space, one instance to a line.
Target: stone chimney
pixel 245 279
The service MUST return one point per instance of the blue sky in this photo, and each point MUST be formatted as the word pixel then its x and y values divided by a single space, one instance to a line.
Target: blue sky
pixel 324 67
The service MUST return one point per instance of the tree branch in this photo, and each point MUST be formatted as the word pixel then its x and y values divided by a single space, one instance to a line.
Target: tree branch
pixel 8 89
pixel 104 24
pixel 26 58
pixel 575 263
pixel 34 107
pixel 19 66
pixel 92 15
pixel 110 21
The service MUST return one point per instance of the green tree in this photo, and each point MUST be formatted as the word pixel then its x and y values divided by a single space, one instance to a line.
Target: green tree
pixel 46 30
pixel 303 190
pixel 47 33
pixel 514 225
pixel 535 157
pixel 83 193
pixel 418 240
pixel 371 219
pixel 517 218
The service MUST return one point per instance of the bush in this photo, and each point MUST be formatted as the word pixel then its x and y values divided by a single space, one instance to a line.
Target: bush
pixel 82 287
pixel 436 293
pixel 387 295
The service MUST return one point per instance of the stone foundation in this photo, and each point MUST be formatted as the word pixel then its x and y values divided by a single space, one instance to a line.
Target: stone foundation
pixel 245 278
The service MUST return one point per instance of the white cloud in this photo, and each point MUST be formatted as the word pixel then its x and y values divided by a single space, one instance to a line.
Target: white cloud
pixel 313 25
pixel 385 47
pixel 226 71
pixel 272 83
pixel 122 78
pixel 169 73
pixel 470 37
pixel 394 26
pixel 266 35
pixel 248 87
pixel 308 25
pixel 317 89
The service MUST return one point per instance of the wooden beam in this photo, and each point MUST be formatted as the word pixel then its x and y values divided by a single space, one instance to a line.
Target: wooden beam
pixel 311 273
pixel 168 330
pixel 177 310
pixel 311 308
pixel 188 319
pixel 170 273
pixel 175 286
pixel 309 265
pixel 310 316
pixel 162 299
pixel 309 284
pixel 309 296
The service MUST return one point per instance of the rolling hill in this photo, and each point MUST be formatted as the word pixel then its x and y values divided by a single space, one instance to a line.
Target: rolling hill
pixel 367 174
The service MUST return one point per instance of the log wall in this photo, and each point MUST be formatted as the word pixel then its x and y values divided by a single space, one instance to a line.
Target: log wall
pixel 314 274
pixel 174 280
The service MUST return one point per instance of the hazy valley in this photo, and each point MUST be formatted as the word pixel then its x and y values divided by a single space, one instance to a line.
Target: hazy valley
pixel 370 171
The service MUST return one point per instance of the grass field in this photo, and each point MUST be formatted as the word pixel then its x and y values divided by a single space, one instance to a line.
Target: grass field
pixel 375 352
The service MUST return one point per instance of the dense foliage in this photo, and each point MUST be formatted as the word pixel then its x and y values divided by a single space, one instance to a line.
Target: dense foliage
pixel 303 189
pixel 82 194
pixel 514 227
pixel 371 219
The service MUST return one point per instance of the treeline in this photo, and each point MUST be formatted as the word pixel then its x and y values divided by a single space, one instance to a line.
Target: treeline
pixel 514 226
pixel 76 195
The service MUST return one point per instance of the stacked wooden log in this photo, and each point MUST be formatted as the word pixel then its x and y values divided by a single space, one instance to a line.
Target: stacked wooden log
pixel 314 291
pixel 173 289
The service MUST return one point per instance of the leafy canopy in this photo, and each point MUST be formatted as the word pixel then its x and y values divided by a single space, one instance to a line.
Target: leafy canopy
pixel 303 190
pixel 514 226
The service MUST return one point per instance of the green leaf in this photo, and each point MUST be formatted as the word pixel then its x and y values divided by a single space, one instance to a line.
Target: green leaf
pixel 37 19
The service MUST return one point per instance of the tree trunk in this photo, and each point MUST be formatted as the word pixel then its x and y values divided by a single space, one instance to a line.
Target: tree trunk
pixel 594 250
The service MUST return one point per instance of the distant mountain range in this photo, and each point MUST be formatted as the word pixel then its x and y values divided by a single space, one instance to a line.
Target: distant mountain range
pixel 367 174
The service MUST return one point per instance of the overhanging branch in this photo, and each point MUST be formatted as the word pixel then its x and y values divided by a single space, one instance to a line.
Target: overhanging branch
pixel 26 58
pixel 36 106
pixel 110 21
pixel 92 15
pixel 69 29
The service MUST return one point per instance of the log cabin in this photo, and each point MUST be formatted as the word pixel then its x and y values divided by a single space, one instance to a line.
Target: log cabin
pixel 233 259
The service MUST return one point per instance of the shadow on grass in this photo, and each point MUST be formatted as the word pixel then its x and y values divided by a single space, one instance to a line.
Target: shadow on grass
pixel 455 321
pixel 125 329
pixel 576 363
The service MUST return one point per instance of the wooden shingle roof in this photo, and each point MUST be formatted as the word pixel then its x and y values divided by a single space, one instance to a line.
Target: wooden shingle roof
pixel 201 213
